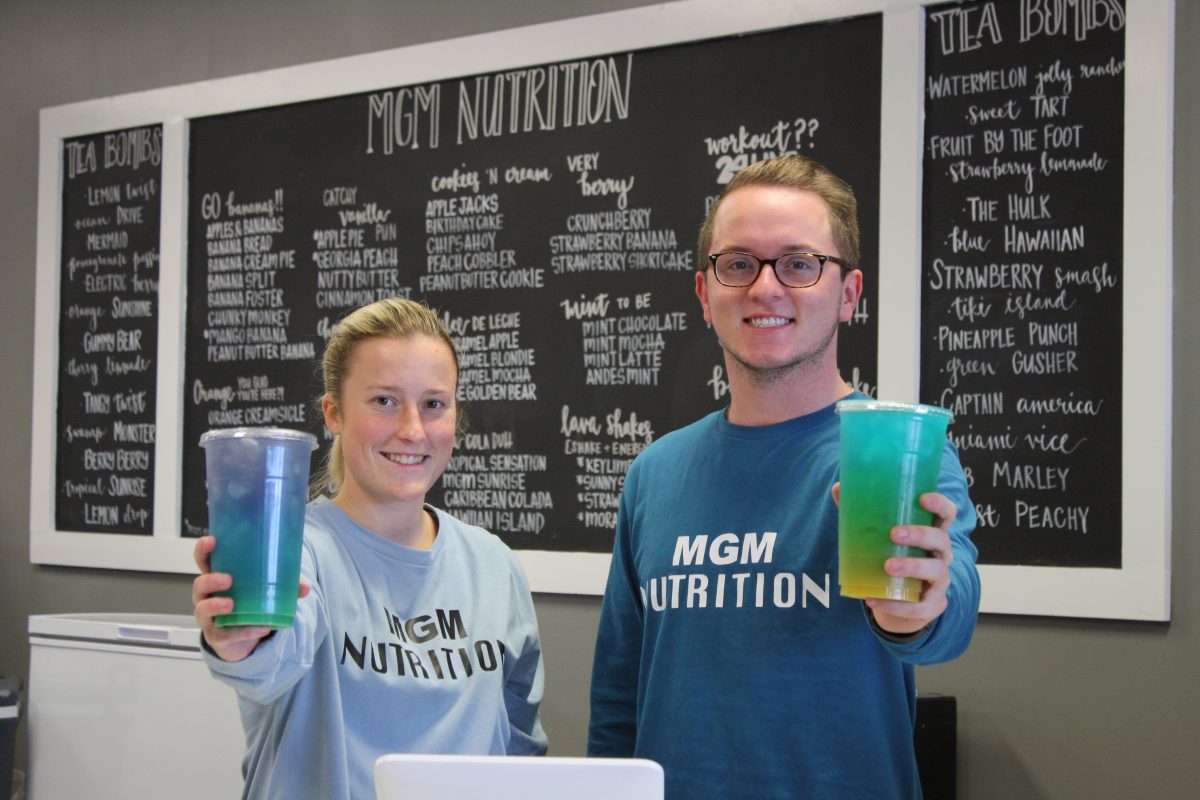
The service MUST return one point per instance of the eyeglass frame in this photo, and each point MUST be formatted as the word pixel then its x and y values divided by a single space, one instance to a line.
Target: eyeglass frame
pixel 763 262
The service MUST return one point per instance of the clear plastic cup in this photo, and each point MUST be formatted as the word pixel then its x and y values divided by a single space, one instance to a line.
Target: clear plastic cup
pixel 891 454
pixel 257 480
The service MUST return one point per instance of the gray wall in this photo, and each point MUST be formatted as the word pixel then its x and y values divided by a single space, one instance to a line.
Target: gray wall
pixel 1048 708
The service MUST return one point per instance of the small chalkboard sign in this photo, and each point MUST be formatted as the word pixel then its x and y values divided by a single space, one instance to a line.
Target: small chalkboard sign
pixel 108 331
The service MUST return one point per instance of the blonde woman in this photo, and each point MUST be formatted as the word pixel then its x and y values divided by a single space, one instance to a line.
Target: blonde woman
pixel 415 632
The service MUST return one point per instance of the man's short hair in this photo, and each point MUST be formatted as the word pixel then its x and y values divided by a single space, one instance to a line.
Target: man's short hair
pixel 796 172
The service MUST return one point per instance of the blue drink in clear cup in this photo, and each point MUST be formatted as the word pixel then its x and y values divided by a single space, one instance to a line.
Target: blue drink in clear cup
pixel 257 480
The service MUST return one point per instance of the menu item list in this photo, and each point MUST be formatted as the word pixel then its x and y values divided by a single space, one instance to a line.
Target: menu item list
pixel 1021 330
pixel 548 215
pixel 108 332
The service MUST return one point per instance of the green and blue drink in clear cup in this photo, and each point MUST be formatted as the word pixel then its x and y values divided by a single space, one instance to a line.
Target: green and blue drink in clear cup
pixel 891 454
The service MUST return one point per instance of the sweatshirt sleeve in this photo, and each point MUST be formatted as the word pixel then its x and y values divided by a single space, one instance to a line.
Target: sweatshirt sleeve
pixel 612 730
pixel 523 683
pixel 280 660
pixel 949 634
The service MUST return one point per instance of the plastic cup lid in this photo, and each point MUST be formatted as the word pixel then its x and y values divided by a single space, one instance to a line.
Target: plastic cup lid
pixel 844 406
pixel 259 433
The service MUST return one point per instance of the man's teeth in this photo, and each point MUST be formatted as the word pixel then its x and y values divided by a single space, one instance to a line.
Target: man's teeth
pixel 402 459
pixel 768 322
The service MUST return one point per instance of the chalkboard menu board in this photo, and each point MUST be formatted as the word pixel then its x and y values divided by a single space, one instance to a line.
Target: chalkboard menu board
pixel 549 215
pixel 541 188
pixel 1023 274
pixel 108 331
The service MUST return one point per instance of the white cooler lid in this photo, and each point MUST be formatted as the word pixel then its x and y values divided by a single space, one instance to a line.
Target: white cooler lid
pixel 163 630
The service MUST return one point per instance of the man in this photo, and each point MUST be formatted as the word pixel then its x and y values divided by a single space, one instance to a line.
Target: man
pixel 725 652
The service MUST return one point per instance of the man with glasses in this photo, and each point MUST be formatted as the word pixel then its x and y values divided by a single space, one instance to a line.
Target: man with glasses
pixel 725 652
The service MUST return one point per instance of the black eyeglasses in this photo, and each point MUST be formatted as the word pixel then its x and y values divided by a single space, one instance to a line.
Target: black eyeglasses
pixel 793 270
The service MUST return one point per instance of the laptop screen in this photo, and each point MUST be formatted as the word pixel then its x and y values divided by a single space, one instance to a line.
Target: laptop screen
pixel 409 776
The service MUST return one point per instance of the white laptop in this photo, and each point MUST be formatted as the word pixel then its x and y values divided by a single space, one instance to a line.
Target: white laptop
pixel 419 777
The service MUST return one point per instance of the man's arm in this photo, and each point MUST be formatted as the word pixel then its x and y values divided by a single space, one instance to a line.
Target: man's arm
pixel 940 626
pixel 612 730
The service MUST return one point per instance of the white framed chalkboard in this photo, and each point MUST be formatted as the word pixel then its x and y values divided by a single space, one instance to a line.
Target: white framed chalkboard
pixel 151 135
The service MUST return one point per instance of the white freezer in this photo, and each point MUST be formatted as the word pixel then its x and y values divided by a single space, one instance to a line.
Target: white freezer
pixel 121 706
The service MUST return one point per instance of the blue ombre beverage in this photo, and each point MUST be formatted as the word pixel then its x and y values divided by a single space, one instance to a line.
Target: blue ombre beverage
pixel 891 454
pixel 257 489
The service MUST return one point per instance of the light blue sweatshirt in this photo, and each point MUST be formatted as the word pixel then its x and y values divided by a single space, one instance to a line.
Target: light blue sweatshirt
pixel 394 650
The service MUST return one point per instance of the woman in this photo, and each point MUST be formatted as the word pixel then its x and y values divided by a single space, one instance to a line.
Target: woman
pixel 415 632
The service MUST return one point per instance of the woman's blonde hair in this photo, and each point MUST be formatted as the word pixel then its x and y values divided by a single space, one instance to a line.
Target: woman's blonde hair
pixel 394 317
